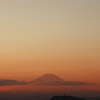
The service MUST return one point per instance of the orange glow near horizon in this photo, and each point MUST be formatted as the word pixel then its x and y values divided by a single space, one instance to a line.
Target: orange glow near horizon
pixel 47 89
pixel 30 70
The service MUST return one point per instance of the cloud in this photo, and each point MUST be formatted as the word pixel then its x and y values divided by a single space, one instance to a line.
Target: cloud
pixel 66 83
pixel 77 83
pixel 4 82
pixel 8 82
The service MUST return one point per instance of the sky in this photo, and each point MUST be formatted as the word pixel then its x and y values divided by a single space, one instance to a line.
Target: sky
pixel 50 36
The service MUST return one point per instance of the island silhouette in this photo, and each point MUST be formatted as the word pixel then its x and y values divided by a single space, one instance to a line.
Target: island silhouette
pixel 65 98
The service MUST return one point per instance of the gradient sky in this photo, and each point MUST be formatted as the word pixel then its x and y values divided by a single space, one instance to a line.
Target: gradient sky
pixel 50 36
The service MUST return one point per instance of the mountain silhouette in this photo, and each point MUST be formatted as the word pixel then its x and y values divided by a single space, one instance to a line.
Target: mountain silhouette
pixel 51 79
pixel 48 78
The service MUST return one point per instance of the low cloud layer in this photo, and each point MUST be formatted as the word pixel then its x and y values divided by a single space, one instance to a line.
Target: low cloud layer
pixel 8 82
pixel 4 82
pixel 66 83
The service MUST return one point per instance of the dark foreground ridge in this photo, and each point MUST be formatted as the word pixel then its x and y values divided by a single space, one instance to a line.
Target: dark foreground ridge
pixel 40 96
pixel 65 98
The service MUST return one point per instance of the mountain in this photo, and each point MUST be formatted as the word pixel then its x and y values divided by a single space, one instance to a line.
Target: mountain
pixel 48 78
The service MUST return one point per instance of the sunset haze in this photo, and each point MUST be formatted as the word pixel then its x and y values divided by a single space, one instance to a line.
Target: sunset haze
pixel 60 37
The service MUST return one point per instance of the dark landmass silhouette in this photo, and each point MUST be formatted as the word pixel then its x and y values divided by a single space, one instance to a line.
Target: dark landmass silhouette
pixel 40 96
pixel 65 98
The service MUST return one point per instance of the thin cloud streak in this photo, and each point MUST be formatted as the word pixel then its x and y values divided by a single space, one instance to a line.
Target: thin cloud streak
pixel 8 82
pixel 66 83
